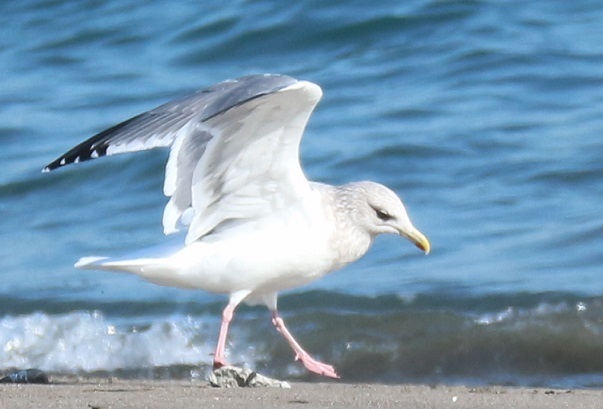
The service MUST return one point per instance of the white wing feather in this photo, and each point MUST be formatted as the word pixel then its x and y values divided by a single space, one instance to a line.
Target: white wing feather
pixel 250 167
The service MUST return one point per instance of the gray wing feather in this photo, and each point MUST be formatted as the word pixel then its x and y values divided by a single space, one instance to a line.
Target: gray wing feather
pixel 160 126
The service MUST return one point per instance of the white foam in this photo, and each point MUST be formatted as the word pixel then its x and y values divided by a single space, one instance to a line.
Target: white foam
pixel 87 341
pixel 542 310
pixel 495 317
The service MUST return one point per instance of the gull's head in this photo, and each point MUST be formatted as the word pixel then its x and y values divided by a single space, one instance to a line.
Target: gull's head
pixel 379 210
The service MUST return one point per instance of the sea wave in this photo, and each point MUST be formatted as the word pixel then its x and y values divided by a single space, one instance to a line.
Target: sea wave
pixel 426 338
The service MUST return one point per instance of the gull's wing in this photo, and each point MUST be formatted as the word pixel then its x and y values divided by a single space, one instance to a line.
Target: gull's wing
pixel 234 149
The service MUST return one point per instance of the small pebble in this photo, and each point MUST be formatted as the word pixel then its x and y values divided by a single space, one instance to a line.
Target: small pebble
pixel 26 376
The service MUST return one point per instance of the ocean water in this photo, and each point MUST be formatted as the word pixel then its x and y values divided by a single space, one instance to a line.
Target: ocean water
pixel 485 116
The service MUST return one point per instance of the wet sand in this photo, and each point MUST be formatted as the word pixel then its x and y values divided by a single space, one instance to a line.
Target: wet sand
pixel 116 393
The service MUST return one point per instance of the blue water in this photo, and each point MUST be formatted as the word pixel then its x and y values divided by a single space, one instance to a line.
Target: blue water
pixel 485 116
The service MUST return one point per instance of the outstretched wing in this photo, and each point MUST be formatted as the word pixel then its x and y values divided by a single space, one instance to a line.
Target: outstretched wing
pixel 234 149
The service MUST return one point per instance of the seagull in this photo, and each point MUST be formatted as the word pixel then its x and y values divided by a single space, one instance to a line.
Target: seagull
pixel 254 224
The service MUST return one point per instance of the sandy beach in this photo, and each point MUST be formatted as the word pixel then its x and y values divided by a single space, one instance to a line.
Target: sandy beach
pixel 116 393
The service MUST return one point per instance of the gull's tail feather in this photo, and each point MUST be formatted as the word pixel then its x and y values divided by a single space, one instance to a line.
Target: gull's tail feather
pixel 136 262
pixel 158 270
pixel 89 262
pixel 134 266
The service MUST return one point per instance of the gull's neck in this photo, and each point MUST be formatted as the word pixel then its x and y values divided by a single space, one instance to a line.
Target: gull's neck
pixel 349 240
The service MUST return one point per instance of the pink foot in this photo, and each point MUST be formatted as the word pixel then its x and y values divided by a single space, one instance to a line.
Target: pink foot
pixel 315 366
pixel 310 363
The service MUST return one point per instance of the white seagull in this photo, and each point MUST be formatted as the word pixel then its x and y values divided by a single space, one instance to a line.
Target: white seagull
pixel 256 225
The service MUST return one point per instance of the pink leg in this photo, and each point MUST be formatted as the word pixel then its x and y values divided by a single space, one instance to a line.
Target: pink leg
pixel 219 359
pixel 310 363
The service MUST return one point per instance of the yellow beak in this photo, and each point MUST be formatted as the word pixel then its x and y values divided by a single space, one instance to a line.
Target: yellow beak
pixel 418 239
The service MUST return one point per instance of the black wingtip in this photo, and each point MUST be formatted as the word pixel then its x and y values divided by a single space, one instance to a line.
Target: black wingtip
pixel 92 148
pixel 57 163
pixel 81 153
pixel 52 166
pixel 66 159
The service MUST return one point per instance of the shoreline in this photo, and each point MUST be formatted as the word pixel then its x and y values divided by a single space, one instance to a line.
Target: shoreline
pixel 107 393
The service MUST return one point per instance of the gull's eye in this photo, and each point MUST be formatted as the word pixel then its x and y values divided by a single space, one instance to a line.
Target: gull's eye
pixel 383 215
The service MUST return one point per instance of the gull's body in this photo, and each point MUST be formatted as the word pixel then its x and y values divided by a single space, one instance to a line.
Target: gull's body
pixel 255 225
pixel 298 246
